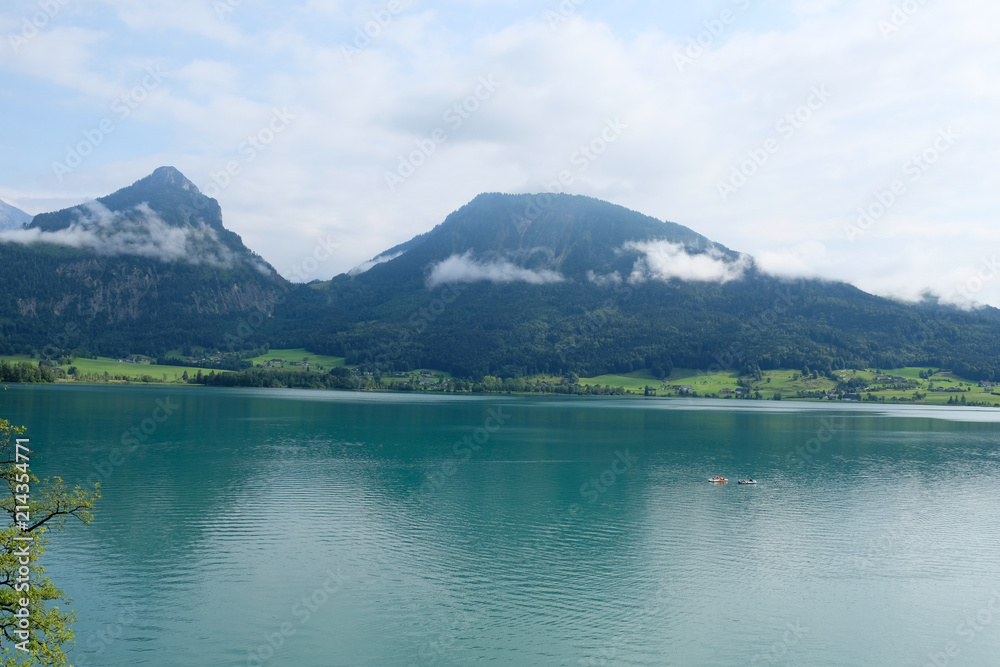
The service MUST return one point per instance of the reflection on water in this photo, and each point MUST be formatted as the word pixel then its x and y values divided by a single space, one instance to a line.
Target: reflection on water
pixel 325 528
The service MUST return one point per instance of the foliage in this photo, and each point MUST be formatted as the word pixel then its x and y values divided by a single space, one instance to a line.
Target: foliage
pixel 51 503
pixel 280 379
pixel 25 371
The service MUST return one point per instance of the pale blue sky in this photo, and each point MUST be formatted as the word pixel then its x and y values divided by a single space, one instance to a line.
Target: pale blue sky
pixel 873 89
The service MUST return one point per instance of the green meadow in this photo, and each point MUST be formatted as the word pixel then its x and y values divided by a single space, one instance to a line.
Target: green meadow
pixel 787 383
pixel 112 367
pixel 299 355
pixel 103 365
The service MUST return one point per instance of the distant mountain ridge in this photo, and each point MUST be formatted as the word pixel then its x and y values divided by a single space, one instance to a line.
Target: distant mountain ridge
pixel 12 217
pixel 163 214
pixel 565 283
pixel 508 285
pixel 146 268
pixel 570 237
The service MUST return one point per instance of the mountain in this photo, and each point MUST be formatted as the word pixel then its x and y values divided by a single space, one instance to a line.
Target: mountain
pixel 146 269
pixel 518 284
pixel 11 217
pixel 508 285
pixel 163 215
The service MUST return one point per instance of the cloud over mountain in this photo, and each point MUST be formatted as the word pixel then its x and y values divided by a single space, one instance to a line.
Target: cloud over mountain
pixel 136 231
pixel 663 260
pixel 381 259
pixel 11 217
pixel 464 269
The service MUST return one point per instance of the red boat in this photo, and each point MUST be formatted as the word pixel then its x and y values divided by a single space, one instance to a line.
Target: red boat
pixel 718 480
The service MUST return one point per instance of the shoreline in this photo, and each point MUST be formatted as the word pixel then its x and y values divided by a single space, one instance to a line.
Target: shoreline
pixel 628 395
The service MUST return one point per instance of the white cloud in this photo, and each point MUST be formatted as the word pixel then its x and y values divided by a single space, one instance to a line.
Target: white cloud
pixel 63 56
pixel 463 269
pixel 208 78
pixel 687 129
pixel 662 260
pixel 138 231
pixel 810 260
pixel 613 278
pixel 209 20
pixel 955 275
pixel 364 266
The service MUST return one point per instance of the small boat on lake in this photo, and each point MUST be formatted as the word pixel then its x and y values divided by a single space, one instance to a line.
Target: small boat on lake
pixel 747 481
pixel 718 480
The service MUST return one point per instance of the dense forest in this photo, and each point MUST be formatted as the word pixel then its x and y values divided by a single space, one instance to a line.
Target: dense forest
pixel 25 371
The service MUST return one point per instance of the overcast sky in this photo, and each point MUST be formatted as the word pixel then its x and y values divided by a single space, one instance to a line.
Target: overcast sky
pixel 765 126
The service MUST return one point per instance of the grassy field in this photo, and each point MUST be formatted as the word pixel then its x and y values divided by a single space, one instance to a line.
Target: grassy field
pixel 15 358
pixel 112 367
pixel 288 356
pixel 636 381
pixel 790 382
pixel 786 382
pixel 103 365
pixel 416 374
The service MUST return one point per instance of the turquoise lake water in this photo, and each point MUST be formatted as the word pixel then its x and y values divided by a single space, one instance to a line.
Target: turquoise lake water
pixel 282 527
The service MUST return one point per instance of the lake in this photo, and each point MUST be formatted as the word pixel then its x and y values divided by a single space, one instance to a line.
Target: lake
pixel 309 528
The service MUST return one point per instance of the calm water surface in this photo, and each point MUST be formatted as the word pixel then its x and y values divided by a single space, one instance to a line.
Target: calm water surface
pixel 259 527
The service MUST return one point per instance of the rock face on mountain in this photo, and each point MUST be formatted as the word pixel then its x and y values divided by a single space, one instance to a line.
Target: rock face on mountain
pixel 12 217
pixel 147 268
